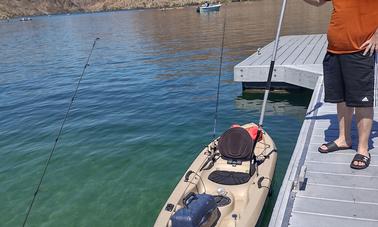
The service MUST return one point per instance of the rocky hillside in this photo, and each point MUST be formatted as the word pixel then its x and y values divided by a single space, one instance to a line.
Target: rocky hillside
pixel 14 8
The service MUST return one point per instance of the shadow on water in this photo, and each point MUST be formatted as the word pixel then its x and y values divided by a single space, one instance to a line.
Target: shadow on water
pixel 289 103
pixel 293 97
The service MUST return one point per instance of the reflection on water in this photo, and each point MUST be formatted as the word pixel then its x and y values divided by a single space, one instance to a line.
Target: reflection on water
pixel 144 110
pixel 291 103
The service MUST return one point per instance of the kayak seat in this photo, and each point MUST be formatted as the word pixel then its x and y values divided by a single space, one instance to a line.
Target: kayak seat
pixel 229 177
pixel 235 146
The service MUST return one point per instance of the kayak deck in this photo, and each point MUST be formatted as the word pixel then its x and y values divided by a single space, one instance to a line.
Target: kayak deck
pixel 246 199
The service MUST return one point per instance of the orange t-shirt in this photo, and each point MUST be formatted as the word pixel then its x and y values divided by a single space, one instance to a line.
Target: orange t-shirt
pixel 353 22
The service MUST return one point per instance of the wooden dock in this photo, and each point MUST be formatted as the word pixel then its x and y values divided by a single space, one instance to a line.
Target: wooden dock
pixel 318 189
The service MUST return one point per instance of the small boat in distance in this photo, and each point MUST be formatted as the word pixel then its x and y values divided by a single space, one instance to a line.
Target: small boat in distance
pixel 208 8
pixel 25 19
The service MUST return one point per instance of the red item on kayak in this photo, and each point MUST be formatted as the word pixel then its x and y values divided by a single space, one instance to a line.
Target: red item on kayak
pixel 252 131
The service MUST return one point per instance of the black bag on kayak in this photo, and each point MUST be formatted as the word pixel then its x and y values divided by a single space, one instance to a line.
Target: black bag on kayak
pixel 200 211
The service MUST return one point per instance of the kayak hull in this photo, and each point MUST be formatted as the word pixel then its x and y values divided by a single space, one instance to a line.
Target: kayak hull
pixel 246 200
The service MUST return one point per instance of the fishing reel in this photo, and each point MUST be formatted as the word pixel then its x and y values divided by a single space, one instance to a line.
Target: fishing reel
pixel 212 154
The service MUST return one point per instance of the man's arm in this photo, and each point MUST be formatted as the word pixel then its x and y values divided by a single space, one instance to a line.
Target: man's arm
pixel 316 2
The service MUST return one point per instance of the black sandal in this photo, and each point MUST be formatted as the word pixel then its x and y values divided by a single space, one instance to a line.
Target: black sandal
pixel 331 147
pixel 360 158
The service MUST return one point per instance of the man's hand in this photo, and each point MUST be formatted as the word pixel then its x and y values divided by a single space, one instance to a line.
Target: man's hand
pixel 371 45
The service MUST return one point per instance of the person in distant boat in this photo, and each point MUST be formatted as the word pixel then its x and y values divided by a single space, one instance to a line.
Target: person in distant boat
pixel 207 4
pixel 349 72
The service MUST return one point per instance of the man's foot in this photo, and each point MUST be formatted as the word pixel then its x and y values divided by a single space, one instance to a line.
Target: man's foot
pixel 335 146
pixel 360 161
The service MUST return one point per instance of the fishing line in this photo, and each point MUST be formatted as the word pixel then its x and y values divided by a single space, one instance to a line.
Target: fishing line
pixel 57 138
pixel 219 74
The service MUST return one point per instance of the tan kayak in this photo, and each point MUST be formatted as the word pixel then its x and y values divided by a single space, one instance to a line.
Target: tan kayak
pixel 226 185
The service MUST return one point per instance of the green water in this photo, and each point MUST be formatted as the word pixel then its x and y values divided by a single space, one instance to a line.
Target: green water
pixel 144 110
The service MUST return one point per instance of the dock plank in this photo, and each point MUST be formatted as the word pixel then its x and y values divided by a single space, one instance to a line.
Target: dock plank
pixel 346 157
pixel 308 51
pixel 299 44
pixel 282 52
pixel 321 46
pixel 266 54
pixel 342 181
pixel 346 210
pixel 266 50
pixel 316 220
pixel 319 59
pixel 292 57
pixel 344 194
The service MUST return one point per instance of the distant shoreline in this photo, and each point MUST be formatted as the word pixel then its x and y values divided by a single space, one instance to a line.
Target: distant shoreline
pixel 25 10
pixel 84 12
pixel 90 12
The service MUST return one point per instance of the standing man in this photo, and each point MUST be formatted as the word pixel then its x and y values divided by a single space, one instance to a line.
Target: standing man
pixel 349 72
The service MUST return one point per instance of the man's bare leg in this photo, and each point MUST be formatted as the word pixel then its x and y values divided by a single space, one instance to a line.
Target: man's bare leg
pixel 364 116
pixel 344 115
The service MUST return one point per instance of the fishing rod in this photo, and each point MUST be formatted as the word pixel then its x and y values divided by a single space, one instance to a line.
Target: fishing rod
pixel 268 86
pixel 212 155
pixel 272 63
pixel 59 133
pixel 219 75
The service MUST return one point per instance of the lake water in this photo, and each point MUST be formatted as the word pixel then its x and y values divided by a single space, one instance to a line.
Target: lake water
pixel 144 109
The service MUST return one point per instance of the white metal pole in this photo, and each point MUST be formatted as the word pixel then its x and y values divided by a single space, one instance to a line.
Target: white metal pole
pixel 269 81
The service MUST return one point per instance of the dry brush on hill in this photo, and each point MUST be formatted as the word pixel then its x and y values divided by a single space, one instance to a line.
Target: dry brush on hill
pixel 14 8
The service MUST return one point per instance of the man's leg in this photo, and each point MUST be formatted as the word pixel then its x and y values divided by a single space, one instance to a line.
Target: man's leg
pixel 364 116
pixel 344 115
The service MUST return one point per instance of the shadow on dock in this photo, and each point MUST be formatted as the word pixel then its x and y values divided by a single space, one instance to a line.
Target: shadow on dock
pixel 331 133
